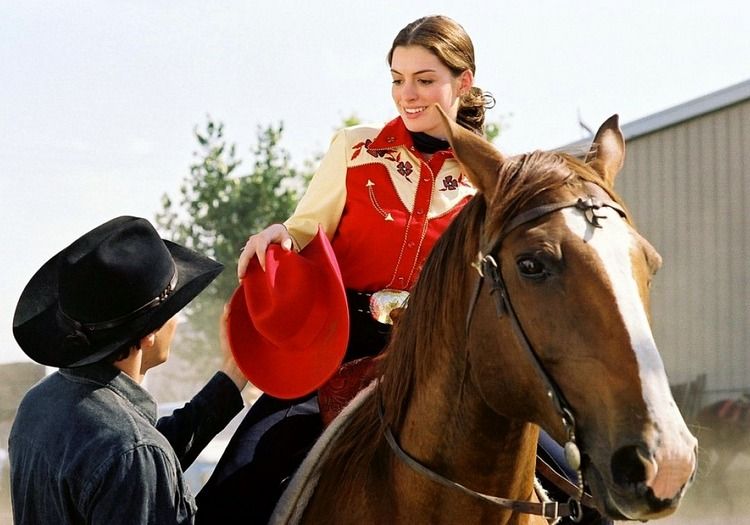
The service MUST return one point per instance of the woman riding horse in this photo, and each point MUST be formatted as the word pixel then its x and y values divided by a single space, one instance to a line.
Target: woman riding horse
pixel 531 311
pixel 383 196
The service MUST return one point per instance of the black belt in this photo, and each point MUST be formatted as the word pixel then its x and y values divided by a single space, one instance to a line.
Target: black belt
pixel 367 336
pixel 359 302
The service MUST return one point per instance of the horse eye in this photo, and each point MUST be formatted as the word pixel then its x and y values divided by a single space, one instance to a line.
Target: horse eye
pixel 531 268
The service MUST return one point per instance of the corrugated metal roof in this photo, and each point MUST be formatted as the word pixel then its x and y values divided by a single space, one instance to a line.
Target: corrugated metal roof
pixel 690 109
pixel 669 117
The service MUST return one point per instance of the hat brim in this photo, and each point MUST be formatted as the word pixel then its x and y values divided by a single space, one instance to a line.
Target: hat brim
pixel 287 372
pixel 40 334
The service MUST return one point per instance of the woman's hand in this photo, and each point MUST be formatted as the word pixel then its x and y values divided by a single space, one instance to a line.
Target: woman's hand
pixel 257 245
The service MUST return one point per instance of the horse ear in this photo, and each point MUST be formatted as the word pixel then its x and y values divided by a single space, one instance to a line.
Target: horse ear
pixel 607 151
pixel 479 159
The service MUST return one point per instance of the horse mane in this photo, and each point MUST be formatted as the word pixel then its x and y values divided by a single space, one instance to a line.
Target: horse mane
pixel 431 321
pixel 524 178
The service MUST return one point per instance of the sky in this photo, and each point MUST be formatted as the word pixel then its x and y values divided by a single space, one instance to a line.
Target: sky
pixel 99 99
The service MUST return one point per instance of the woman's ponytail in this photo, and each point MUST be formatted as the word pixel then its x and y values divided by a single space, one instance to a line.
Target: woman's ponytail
pixel 472 108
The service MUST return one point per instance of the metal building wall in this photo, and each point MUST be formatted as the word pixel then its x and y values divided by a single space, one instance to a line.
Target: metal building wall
pixel 688 188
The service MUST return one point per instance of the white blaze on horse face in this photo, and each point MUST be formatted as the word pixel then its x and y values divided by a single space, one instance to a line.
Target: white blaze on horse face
pixel 613 243
pixel 671 443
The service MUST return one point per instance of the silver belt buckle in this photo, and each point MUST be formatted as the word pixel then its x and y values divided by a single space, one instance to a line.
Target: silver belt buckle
pixel 383 302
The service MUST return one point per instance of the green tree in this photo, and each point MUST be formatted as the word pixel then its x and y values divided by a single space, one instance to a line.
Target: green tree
pixel 492 130
pixel 218 207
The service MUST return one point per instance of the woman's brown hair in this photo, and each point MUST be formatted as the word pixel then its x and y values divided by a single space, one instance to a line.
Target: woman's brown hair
pixel 448 41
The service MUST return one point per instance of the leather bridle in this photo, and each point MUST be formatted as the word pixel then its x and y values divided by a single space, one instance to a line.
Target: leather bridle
pixel 489 269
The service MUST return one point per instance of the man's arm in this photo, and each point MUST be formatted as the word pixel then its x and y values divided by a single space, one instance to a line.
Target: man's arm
pixel 190 428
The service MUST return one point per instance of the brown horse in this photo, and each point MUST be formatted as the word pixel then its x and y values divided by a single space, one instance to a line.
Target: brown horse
pixel 531 311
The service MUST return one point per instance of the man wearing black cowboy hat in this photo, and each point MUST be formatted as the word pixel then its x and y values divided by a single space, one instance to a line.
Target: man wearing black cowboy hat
pixel 85 446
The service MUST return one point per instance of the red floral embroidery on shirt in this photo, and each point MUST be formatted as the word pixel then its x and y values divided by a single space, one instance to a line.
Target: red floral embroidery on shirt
pixel 449 183
pixel 382 153
pixel 358 148
pixel 405 169
pixel 387 154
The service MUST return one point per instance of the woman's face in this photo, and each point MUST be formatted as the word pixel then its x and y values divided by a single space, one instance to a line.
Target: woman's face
pixel 420 80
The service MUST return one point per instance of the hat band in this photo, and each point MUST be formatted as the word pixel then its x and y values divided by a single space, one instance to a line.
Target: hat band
pixel 118 321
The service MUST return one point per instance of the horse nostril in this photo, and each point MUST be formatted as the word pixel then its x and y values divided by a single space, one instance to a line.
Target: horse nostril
pixel 631 466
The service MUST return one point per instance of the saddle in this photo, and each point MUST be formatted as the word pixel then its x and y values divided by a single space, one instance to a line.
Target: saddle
pixel 346 383
pixel 382 308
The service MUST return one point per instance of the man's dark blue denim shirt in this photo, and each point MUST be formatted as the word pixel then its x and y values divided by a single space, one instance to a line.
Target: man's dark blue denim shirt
pixel 86 448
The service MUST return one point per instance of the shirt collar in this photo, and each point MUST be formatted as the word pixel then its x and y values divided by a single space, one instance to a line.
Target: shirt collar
pixel 395 134
pixel 106 375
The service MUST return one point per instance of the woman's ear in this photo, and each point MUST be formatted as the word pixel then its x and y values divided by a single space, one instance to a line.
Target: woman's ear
pixel 466 81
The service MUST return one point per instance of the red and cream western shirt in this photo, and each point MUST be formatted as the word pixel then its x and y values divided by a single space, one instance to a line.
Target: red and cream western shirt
pixel 381 204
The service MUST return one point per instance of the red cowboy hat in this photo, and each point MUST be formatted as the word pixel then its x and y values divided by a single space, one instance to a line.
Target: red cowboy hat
pixel 288 327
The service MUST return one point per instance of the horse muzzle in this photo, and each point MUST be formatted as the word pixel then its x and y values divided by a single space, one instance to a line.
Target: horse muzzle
pixel 643 483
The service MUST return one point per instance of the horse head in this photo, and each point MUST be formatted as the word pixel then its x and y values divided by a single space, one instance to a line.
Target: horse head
pixel 571 272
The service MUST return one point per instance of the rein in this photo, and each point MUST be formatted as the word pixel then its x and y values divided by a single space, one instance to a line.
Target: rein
pixel 550 510
pixel 488 268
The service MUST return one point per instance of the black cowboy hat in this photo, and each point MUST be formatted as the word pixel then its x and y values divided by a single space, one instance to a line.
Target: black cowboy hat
pixel 111 287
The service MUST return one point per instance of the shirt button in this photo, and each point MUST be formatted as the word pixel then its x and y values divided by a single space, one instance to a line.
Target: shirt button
pixel 390 140
pixel 411 244
pixel 426 179
pixel 419 211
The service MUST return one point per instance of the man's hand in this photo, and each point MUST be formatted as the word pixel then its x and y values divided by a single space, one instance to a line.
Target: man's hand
pixel 229 366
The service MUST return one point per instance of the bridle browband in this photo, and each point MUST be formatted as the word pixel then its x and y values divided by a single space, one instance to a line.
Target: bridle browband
pixel 488 268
